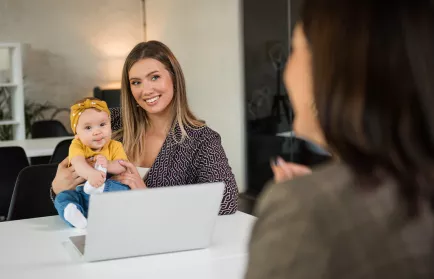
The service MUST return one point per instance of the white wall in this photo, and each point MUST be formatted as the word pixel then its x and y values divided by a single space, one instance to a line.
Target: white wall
pixel 4 59
pixel 206 37
pixel 4 65
pixel 73 46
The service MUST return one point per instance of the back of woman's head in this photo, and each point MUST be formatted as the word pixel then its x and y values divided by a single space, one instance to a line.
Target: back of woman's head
pixel 373 67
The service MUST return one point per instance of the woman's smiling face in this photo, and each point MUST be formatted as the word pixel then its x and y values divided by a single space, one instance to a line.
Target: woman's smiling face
pixel 151 85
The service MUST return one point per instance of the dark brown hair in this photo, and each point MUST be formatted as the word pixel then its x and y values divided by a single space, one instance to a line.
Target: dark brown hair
pixel 373 67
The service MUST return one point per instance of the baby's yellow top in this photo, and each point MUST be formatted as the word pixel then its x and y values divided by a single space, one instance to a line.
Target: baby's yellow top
pixel 112 151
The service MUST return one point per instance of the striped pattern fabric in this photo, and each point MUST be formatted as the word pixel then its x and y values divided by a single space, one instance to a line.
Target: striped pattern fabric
pixel 200 158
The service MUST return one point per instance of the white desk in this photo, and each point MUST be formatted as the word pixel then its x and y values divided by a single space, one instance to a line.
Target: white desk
pixel 40 248
pixel 286 134
pixel 36 147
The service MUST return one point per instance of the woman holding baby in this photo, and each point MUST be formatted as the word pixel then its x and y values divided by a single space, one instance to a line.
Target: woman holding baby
pixel 159 131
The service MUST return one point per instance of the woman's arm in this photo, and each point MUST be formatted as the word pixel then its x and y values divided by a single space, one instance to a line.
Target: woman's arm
pixel 114 167
pixel 66 178
pixel 212 166
pixel 130 177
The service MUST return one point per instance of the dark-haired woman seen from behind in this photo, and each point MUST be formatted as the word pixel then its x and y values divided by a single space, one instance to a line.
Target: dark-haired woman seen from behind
pixel 369 67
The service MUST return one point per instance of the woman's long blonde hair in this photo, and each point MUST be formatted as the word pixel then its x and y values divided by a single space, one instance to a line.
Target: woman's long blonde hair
pixel 134 118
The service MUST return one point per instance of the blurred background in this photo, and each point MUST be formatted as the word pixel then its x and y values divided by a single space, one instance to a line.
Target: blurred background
pixel 232 52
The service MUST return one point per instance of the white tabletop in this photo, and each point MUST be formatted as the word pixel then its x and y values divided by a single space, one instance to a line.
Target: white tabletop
pixel 40 248
pixel 286 134
pixel 36 147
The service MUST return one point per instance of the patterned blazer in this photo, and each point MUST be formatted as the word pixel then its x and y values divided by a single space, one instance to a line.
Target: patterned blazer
pixel 324 226
pixel 200 158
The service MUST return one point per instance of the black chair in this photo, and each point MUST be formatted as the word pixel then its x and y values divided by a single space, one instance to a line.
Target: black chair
pixel 60 152
pixel 13 160
pixel 47 129
pixel 31 197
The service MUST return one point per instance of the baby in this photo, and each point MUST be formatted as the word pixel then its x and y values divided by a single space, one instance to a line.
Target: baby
pixel 90 122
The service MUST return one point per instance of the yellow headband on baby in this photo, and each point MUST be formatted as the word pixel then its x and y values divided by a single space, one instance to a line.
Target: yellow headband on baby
pixel 77 109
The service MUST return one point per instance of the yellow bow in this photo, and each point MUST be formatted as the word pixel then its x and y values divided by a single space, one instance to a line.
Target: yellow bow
pixel 77 109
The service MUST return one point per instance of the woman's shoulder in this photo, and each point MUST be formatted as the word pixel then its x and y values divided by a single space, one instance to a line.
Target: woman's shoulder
pixel 196 136
pixel 196 139
pixel 331 195
pixel 327 180
pixel 201 134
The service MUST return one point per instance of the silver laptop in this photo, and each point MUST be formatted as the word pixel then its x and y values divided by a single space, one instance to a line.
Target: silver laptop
pixel 150 221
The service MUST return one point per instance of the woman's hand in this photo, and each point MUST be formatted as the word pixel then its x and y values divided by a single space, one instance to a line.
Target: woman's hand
pixel 66 178
pixel 130 177
pixel 284 171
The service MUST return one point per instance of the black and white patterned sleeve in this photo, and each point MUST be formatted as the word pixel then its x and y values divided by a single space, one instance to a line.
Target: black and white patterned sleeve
pixel 116 120
pixel 213 166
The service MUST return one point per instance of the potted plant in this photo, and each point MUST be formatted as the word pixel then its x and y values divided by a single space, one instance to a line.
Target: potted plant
pixel 33 111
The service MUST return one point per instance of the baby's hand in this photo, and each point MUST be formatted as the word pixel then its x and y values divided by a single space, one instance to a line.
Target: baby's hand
pixel 101 161
pixel 96 178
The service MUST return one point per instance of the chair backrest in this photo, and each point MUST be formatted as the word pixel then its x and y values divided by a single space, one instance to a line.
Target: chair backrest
pixel 31 197
pixel 61 151
pixel 111 96
pixel 48 129
pixel 13 160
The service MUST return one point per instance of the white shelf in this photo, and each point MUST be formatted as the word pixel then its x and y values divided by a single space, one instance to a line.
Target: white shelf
pixel 17 98
pixel 8 84
pixel 10 45
pixel 9 122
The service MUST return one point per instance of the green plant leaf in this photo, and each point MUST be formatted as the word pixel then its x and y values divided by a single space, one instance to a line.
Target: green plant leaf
pixel 33 111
